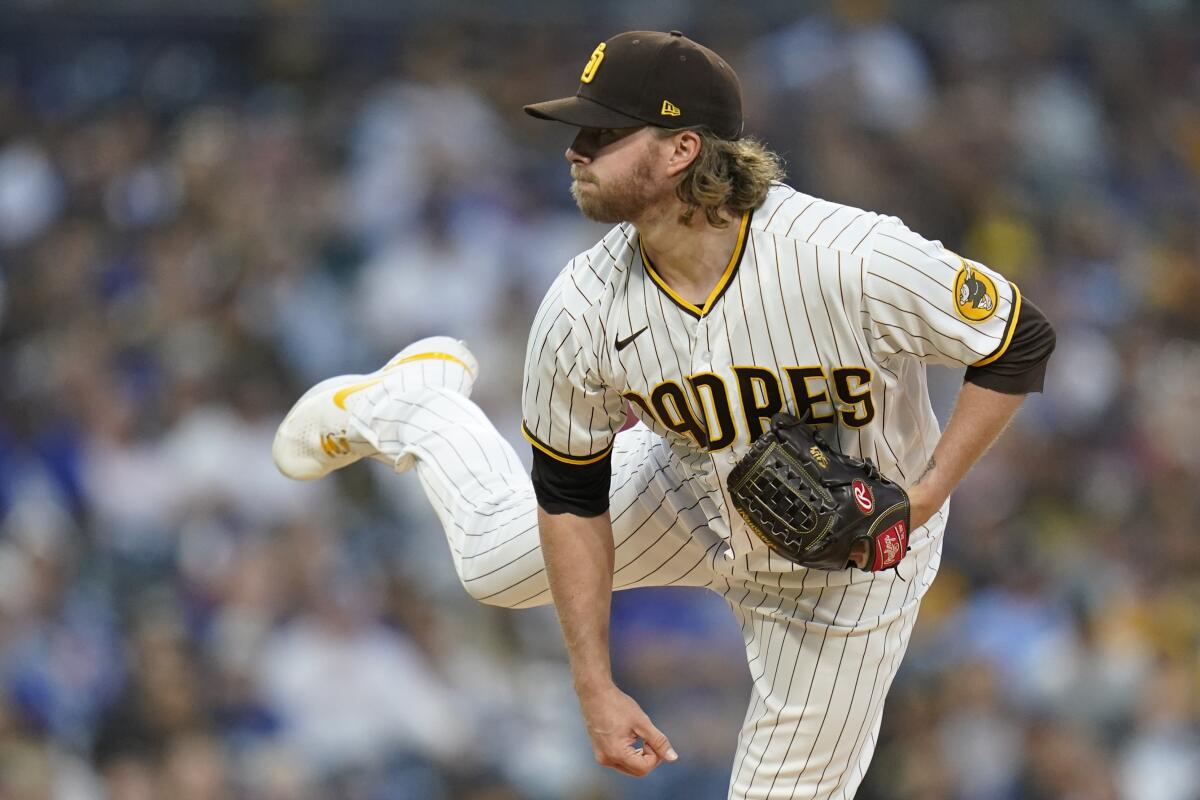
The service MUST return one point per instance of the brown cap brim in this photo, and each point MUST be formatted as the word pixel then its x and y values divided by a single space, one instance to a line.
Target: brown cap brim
pixel 582 113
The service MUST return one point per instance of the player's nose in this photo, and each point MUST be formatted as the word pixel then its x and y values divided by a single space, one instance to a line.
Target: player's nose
pixel 578 152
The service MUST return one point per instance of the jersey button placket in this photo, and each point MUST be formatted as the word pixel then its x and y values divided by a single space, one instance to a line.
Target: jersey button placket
pixel 701 355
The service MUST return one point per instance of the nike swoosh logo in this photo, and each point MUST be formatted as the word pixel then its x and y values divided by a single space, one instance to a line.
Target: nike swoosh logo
pixel 339 399
pixel 621 344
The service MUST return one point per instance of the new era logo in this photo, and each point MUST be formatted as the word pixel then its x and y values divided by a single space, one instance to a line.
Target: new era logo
pixel 669 109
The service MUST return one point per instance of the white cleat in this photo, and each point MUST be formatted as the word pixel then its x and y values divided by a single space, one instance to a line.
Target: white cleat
pixel 319 435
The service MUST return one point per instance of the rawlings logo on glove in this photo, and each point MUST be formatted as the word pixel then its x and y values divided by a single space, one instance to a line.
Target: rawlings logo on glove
pixel 812 505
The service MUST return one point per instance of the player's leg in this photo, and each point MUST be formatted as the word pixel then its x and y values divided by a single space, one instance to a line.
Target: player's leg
pixel 489 513
pixel 416 412
pixel 822 661
pixel 318 435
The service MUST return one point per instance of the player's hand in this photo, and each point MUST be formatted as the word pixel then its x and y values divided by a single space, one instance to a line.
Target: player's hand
pixel 615 723
pixel 860 554
pixel 923 503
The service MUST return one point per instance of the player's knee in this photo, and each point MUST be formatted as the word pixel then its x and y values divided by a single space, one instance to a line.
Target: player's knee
pixel 484 588
pixel 479 588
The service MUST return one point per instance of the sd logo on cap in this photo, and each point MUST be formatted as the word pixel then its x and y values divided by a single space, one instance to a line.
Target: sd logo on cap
pixel 652 78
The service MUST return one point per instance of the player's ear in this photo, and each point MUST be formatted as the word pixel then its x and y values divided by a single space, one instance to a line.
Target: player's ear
pixel 686 146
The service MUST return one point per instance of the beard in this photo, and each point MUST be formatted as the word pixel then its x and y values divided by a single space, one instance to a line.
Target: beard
pixel 623 199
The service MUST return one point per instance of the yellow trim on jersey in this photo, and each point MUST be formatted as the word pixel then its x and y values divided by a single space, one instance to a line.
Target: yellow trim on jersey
pixel 339 399
pixel 685 413
pixel 722 284
pixel 751 397
pixel 811 400
pixel 1008 334
pixel 563 457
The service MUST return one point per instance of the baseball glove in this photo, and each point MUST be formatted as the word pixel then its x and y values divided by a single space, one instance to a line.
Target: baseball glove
pixel 811 504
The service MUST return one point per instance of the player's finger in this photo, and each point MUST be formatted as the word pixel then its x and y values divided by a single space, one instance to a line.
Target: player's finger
pixel 635 763
pixel 639 763
pixel 656 741
pixel 860 555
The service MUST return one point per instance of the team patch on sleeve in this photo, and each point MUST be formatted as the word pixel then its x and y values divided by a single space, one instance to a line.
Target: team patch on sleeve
pixel 975 295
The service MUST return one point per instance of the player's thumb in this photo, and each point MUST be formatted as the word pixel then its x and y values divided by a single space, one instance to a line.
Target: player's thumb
pixel 657 741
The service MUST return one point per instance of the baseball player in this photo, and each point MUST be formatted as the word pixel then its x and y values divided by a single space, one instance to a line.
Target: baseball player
pixel 720 299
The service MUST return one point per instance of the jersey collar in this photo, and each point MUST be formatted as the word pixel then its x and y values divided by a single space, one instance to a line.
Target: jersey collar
pixel 722 284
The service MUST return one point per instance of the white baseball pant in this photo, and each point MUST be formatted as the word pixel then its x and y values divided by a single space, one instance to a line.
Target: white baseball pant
pixel 823 647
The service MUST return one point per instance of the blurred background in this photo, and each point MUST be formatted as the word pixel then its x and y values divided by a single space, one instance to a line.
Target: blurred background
pixel 207 207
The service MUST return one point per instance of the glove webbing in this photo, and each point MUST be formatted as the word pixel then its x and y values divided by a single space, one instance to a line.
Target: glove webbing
pixel 785 496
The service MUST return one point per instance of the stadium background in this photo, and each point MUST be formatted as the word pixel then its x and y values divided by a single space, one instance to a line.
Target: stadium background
pixel 205 208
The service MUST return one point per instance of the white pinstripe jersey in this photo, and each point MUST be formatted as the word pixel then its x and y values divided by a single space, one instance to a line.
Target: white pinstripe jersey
pixel 823 307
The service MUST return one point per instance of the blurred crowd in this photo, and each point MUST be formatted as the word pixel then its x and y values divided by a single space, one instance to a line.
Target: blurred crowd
pixel 200 219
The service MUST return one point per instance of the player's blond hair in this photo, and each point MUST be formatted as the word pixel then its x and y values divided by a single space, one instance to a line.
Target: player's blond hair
pixel 727 176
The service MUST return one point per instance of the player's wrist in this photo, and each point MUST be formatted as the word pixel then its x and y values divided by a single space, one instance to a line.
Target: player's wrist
pixel 924 500
pixel 595 686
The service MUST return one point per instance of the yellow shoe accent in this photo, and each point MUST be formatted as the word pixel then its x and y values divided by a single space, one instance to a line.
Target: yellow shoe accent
pixel 335 445
pixel 339 399
pixel 423 356
pixel 317 436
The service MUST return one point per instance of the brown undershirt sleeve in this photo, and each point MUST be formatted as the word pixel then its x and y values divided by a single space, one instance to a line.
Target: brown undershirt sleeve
pixel 580 489
pixel 1021 368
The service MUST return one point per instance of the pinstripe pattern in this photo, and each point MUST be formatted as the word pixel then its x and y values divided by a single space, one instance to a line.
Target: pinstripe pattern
pixel 484 500
pixel 844 306
pixel 849 304
pixel 819 285
pixel 822 647
pixel 822 660
pixel 906 282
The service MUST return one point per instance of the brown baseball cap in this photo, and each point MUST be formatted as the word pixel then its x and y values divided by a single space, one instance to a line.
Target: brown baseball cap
pixel 652 78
